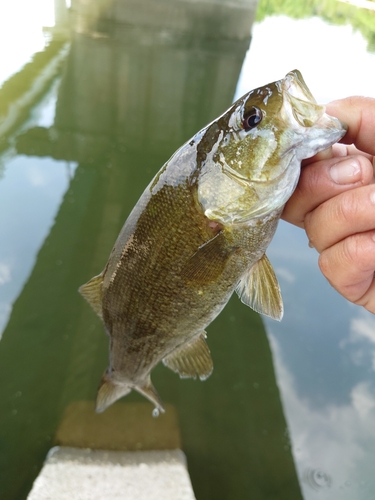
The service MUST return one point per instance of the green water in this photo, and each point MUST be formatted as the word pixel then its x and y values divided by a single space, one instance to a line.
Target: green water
pixel 125 98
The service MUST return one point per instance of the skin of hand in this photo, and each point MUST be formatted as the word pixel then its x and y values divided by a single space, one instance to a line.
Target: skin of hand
pixel 335 203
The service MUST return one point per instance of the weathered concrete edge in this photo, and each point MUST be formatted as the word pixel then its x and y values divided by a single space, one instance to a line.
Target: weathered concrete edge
pixel 80 474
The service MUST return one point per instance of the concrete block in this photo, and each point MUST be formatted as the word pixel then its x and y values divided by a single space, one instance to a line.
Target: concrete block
pixel 83 474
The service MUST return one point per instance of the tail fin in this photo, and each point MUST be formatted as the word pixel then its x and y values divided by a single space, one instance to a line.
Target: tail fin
pixel 109 392
pixel 149 391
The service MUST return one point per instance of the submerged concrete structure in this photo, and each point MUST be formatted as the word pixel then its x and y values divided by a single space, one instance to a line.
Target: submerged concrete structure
pixel 76 474
pixel 123 453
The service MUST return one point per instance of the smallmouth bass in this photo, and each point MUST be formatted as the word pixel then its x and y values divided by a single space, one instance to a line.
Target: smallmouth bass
pixel 200 231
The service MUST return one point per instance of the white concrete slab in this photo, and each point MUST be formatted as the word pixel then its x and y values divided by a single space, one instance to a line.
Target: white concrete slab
pixel 84 474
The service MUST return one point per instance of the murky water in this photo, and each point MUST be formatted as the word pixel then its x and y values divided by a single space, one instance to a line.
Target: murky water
pixel 287 415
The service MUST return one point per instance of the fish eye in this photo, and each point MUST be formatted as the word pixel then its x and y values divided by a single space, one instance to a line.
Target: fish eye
pixel 252 118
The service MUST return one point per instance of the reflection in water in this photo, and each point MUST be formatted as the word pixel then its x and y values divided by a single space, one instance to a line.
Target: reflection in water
pixel 324 348
pixel 24 89
pixel 151 87
pixel 328 77
pixel 27 18
pixel 41 186
pixel 362 340
pixel 131 93
pixel 333 445
pixel 342 13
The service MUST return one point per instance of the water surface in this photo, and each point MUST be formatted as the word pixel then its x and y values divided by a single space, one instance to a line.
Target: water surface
pixel 287 414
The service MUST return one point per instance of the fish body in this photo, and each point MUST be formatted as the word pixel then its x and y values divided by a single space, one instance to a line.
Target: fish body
pixel 200 231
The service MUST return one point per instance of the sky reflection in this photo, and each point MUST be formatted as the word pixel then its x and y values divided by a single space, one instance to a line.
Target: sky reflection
pixel 41 184
pixel 336 440
pixel 324 59
pixel 28 18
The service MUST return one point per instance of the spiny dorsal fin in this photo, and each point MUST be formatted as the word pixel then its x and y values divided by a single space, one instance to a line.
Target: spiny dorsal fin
pixel 260 290
pixel 191 360
pixel 92 292
pixel 109 392
pixel 149 391
pixel 209 261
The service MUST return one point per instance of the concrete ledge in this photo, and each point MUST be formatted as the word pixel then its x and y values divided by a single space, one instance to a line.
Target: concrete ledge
pixel 83 474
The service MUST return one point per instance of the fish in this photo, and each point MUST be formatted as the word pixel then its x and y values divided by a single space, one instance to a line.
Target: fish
pixel 199 232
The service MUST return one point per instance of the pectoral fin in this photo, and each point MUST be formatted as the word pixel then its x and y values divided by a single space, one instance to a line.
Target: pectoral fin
pixel 92 292
pixel 260 290
pixel 191 360
pixel 208 262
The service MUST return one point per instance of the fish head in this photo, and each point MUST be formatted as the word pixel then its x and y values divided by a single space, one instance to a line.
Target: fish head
pixel 263 138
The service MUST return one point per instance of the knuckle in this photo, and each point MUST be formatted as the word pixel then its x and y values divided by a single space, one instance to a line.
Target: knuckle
pixel 346 208
pixel 351 251
pixel 338 212
pixel 310 182
pixel 324 263
pixel 346 257
pixel 349 267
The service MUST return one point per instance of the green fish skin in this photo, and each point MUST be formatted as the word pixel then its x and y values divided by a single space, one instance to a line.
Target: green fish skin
pixel 200 231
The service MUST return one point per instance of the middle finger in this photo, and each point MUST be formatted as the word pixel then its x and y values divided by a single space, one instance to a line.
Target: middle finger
pixel 347 213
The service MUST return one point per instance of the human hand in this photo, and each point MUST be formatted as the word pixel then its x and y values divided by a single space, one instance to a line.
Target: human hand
pixel 335 203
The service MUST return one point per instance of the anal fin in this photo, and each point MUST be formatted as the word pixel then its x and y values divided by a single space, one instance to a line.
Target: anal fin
pixel 92 292
pixel 191 359
pixel 260 290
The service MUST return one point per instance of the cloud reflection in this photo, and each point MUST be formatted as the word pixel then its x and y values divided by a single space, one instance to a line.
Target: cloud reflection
pixel 334 445
pixel 285 274
pixel 362 328
pixel 362 339
pixel 5 273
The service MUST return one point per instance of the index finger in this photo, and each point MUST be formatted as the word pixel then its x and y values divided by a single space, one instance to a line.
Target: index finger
pixel 359 114
pixel 336 151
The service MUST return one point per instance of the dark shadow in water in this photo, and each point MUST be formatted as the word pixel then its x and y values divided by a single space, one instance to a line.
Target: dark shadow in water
pixel 129 96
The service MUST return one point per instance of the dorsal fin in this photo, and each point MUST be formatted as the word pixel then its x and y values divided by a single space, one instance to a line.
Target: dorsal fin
pixel 192 359
pixel 92 292
pixel 260 290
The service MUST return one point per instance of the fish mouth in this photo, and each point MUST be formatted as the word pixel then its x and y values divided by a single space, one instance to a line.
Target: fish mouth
pixel 306 111
pixel 302 106
pixel 295 85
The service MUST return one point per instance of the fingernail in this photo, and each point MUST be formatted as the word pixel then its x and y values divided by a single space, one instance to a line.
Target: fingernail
pixel 346 171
